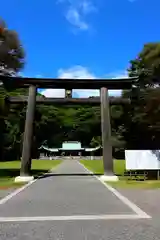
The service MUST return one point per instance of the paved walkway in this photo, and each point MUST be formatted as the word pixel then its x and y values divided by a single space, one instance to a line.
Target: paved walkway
pixel 69 191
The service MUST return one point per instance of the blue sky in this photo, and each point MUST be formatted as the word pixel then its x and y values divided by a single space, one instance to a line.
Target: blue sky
pixel 81 38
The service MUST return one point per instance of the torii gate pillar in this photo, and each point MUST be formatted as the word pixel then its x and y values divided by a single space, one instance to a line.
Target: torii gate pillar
pixel 27 139
pixel 106 137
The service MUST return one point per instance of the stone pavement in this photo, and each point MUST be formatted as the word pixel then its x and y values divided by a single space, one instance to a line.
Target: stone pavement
pixel 69 191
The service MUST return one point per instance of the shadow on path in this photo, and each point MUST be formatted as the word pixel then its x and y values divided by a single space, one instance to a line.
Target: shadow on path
pixel 68 174
pixel 14 172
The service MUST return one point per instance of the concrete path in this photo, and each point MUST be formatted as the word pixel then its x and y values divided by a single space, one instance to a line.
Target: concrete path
pixel 69 191
pixel 69 205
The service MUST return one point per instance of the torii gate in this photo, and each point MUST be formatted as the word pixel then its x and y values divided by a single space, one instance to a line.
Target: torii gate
pixel 69 85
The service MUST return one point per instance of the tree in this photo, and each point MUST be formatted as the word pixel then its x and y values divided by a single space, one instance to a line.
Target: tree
pixel 96 141
pixel 11 51
pixel 141 119
pixel 147 65
pixel 11 62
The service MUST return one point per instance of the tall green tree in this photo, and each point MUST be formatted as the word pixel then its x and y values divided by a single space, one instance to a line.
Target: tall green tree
pixel 12 56
pixel 142 118
pixel 12 59
pixel 147 65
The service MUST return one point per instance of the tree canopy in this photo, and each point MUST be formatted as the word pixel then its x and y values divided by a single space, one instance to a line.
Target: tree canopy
pixel 147 65
pixel 11 51
pixel 141 129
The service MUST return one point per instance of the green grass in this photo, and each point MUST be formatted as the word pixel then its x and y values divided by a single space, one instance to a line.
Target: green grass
pixel 9 170
pixel 148 184
pixel 96 166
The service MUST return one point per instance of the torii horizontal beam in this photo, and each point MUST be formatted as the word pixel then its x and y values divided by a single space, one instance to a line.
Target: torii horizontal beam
pixel 69 101
pixel 18 82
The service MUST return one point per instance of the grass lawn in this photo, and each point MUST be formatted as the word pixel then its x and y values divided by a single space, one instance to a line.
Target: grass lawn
pixel 96 166
pixel 148 184
pixel 10 170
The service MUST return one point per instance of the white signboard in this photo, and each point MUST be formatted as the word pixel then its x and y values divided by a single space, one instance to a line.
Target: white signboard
pixel 142 159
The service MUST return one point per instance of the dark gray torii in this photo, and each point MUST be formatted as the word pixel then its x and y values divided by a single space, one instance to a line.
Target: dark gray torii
pixel 68 84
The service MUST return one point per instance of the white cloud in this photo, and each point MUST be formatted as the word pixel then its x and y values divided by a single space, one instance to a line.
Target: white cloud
pixel 53 93
pixel 83 73
pixel 76 72
pixel 87 7
pixel 117 74
pixel 74 17
pixel 76 12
